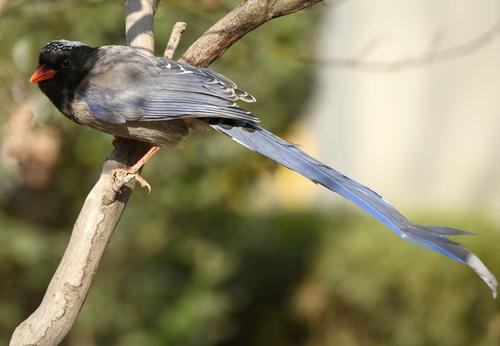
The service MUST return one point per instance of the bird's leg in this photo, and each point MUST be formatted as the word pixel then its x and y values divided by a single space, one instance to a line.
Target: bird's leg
pixel 134 169
pixel 142 161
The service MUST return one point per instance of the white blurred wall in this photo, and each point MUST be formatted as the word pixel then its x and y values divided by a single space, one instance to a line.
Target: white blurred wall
pixel 425 137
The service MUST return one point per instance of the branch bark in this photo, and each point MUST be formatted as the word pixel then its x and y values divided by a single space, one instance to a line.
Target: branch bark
pixel 175 38
pixel 66 293
pixel 242 19
pixel 139 24
pixel 69 286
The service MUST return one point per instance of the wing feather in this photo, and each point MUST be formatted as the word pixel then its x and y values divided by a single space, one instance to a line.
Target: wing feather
pixel 162 89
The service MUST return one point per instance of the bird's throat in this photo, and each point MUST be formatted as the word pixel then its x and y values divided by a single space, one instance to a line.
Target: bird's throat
pixel 60 96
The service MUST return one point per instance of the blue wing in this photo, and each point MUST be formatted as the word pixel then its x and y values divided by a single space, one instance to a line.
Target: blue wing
pixel 267 144
pixel 161 89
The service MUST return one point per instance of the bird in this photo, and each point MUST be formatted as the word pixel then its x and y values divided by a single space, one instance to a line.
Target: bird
pixel 126 93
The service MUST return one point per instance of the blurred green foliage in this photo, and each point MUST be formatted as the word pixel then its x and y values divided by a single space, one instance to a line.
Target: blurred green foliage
pixel 196 263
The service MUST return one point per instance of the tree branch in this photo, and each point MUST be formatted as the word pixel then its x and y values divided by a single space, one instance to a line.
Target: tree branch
pixel 242 19
pixel 139 24
pixel 174 39
pixel 55 316
pixel 69 286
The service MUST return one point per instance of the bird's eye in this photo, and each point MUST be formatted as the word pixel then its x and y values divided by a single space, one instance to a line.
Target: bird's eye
pixel 66 63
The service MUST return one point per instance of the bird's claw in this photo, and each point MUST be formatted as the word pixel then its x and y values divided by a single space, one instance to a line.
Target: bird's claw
pixel 142 182
pixel 126 175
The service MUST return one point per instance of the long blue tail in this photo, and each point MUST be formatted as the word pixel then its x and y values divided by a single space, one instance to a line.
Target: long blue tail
pixel 264 142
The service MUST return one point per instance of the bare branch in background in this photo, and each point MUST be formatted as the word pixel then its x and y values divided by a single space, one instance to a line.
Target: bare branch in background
pixel 432 55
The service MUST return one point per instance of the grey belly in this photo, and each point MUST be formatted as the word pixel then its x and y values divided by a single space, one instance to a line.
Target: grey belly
pixel 162 133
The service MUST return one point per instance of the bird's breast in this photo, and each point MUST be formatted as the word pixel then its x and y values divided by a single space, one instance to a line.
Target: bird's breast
pixel 162 133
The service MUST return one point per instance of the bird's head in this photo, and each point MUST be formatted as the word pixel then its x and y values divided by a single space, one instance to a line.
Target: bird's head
pixel 62 64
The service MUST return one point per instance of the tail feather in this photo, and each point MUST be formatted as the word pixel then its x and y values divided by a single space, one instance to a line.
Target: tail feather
pixel 264 142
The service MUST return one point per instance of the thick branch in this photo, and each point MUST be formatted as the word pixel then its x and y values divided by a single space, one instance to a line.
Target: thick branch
pixel 67 291
pixel 139 24
pixel 236 24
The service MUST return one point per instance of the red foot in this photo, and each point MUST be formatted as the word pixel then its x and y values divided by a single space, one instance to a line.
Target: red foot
pixel 133 171
pixel 135 175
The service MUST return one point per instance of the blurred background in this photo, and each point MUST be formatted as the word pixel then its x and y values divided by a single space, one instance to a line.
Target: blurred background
pixel 229 249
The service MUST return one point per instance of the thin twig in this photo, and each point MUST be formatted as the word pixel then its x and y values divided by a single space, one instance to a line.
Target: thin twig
pixel 431 56
pixel 174 39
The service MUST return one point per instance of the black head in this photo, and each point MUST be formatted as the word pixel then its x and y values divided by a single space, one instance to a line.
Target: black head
pixel 62 65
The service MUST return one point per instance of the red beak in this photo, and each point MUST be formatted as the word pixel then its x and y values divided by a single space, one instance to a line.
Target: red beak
pixel 42 73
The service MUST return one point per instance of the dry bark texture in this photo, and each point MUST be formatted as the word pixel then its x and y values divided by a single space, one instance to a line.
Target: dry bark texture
pixel 69 286
pixel 242 19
